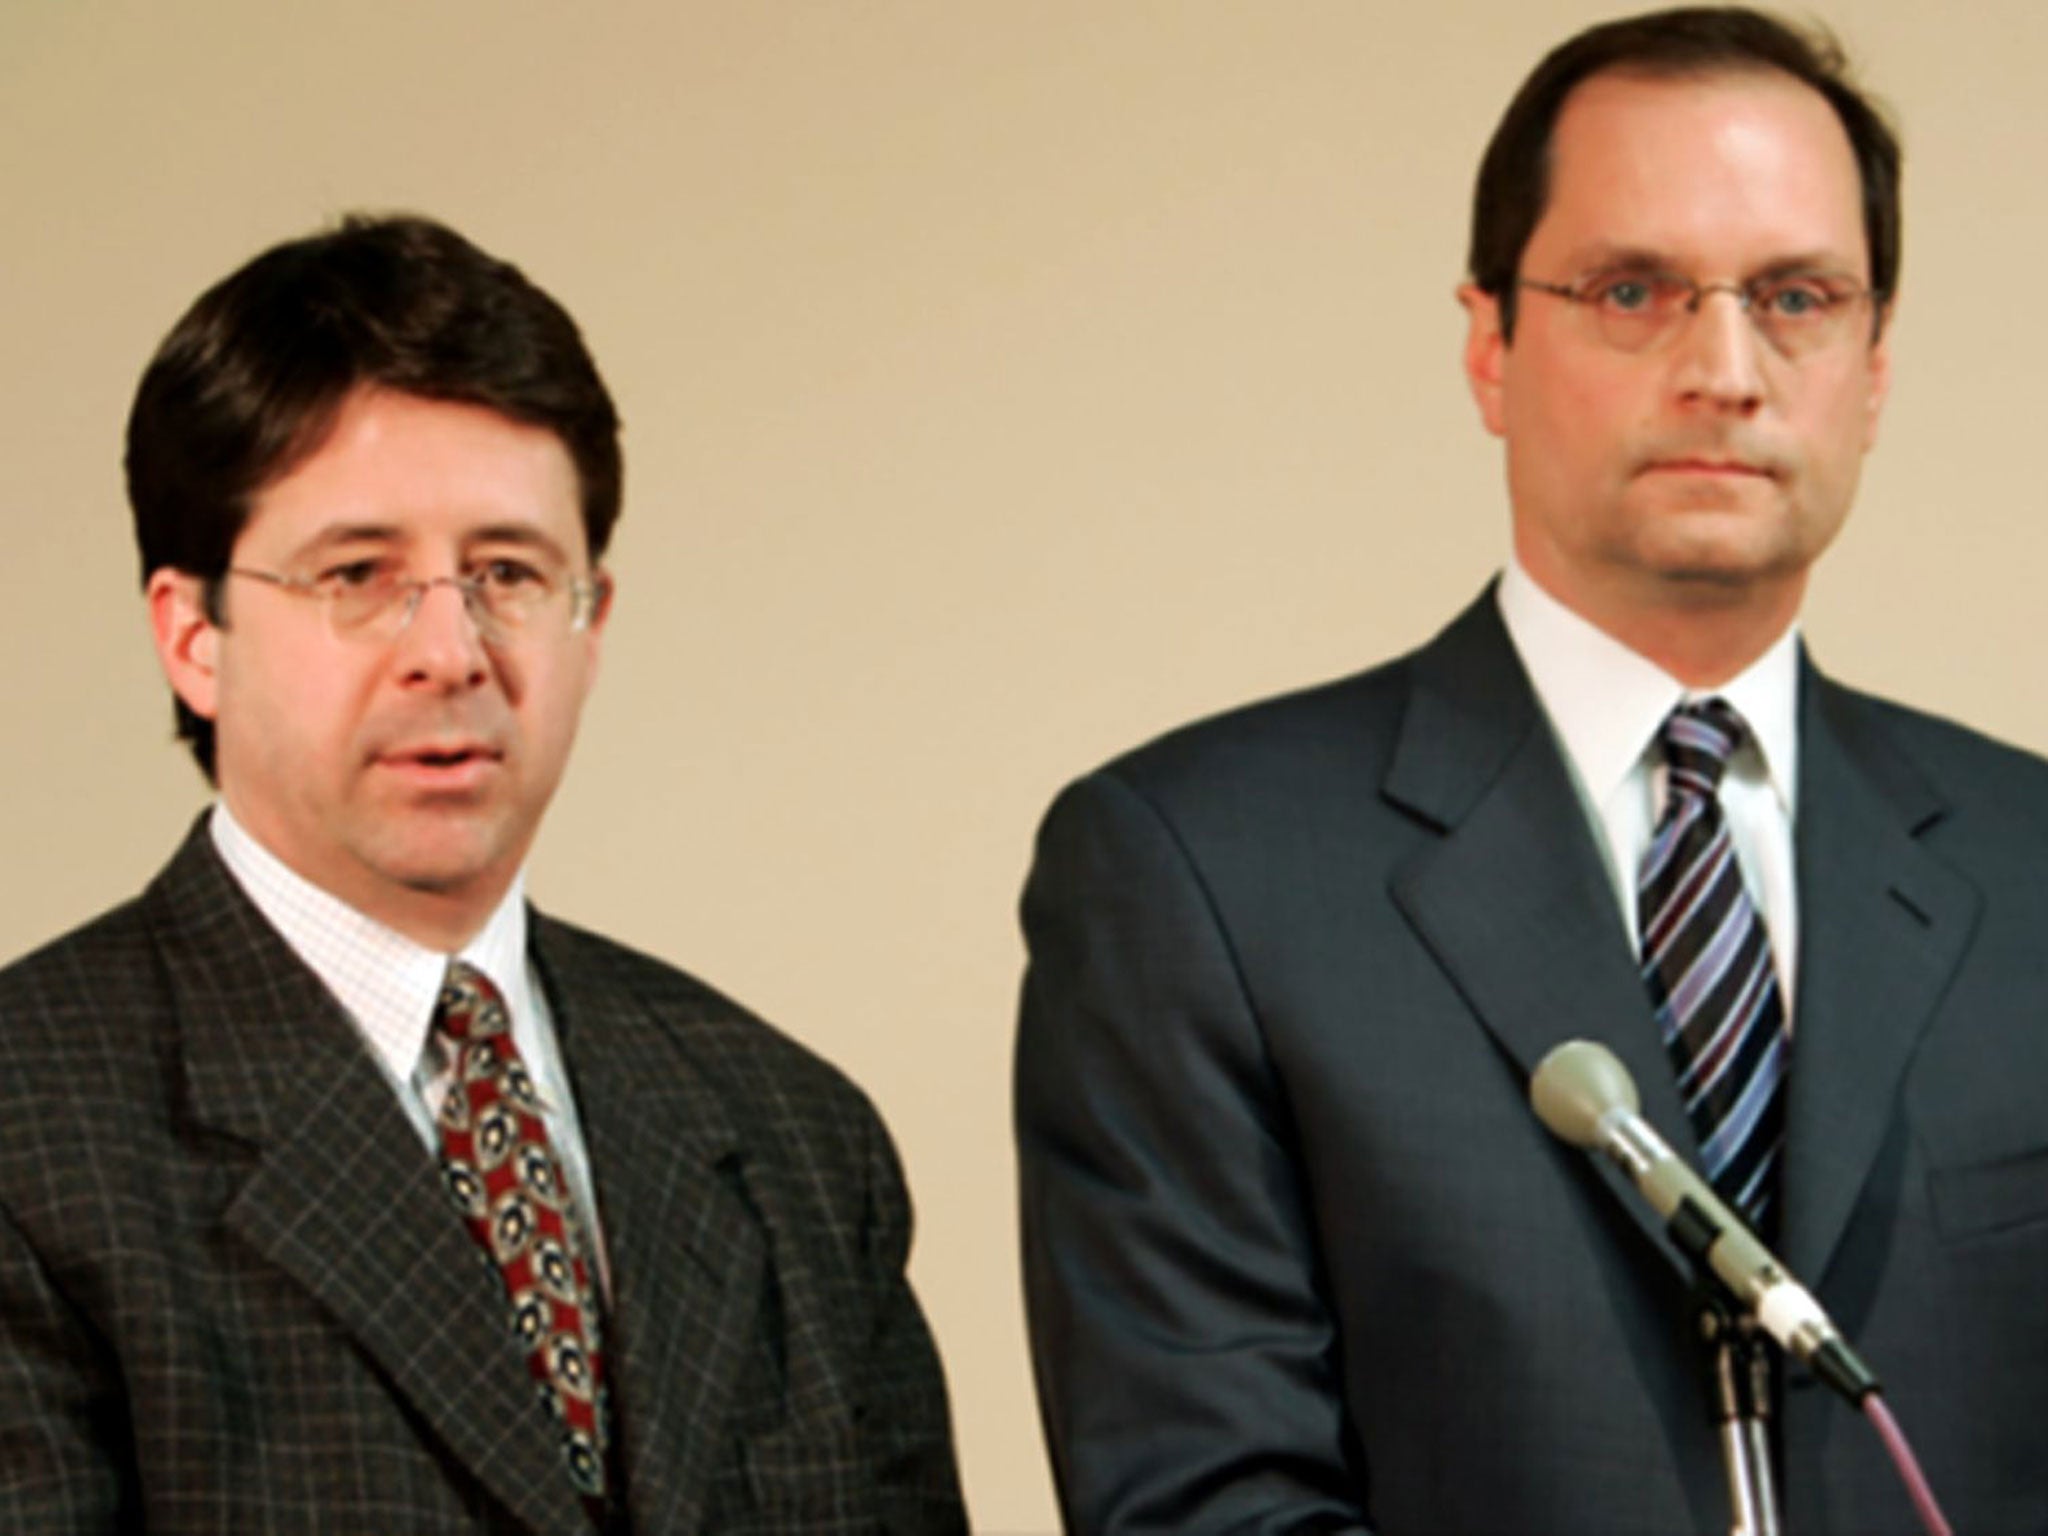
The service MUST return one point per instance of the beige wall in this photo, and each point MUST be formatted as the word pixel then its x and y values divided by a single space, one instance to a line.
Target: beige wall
pixel 1003 382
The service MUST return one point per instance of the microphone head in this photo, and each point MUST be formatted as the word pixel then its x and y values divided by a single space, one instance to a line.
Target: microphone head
pixel 1575 1086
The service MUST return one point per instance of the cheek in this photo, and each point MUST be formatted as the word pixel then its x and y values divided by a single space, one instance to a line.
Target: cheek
pixel 1845 409
pixel 549 700
pixel 1842 436
pixel 297 714
pixel 1574 435
pixel 1577 399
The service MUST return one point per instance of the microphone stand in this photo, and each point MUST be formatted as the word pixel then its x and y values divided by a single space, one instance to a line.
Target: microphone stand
pixel 1739 1379
pixel 1586 1098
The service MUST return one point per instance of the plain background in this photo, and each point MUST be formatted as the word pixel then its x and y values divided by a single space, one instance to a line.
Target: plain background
pixel 1003 383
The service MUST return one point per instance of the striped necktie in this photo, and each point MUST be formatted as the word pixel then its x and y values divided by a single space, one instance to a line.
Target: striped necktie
pixel 1707 963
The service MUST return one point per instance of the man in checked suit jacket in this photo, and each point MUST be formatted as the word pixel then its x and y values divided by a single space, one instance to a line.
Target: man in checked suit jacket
pixel 373 474
pixel 1298 1255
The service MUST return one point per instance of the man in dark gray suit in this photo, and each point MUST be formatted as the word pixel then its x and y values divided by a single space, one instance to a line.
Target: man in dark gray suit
pixel 339 1190
pixel 1298 1256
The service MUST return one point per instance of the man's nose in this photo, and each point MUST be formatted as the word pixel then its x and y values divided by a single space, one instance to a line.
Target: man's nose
pixel 442 642
pixel 1721 352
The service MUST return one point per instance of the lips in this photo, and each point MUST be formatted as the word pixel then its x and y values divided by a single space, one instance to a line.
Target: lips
pixel 449 766
pixel 1724 459
pixel 1703 466
pixel 440 754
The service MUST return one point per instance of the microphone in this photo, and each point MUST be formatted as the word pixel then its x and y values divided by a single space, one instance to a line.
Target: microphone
pixel 1586 1097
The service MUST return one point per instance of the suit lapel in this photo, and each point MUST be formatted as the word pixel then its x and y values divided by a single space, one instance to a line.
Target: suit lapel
pixel 344 1198
pixel 1883 925
pixel 686 1249
pixel 1513 898
pixel 1514 903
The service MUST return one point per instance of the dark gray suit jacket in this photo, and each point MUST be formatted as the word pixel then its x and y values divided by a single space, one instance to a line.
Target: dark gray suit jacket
pixel 1299 1257
pixel 234 1296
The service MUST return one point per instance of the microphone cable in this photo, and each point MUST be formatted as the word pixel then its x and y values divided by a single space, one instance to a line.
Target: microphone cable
pixel 1586 1098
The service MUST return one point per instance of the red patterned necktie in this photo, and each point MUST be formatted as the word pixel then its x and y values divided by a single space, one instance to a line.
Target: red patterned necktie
pixel 509 1187
pixel 1707 962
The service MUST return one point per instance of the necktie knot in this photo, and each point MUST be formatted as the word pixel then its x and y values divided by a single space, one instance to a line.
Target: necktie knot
pixel 1698 739
pixel 470 1006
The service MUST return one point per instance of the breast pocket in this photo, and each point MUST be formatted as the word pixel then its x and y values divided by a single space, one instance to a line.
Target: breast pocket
pixel 1976 1100
pixel 1990 1194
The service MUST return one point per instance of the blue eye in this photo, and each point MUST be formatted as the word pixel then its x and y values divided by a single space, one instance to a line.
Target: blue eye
pixel 1795 300
pixel 1627 294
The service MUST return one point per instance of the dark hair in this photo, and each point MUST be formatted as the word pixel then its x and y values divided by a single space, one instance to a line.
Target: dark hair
pixel 1514 176
pixel 250 380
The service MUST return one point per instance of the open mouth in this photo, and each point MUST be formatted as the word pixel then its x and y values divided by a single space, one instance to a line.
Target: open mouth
pixel 448 767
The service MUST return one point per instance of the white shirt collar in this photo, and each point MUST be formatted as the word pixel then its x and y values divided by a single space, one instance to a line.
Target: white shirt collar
pixel 1607 703
pixel 387 982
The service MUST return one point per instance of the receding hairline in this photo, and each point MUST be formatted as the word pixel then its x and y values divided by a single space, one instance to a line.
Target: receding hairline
pixel 1702 73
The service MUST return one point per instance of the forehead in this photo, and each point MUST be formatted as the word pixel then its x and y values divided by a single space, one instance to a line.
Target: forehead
pixel 1727 171
pixel 420 470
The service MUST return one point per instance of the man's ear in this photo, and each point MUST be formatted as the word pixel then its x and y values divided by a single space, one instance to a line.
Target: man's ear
pixel 601 604
pixel 593 631
pixel 187 639
pixel 1880 374
pixel 1485 355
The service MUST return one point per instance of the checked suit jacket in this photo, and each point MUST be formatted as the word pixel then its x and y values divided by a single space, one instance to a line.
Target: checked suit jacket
pixel 235 1297
pixel 1300 1258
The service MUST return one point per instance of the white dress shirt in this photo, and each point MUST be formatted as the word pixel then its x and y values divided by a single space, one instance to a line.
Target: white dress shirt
pixel 388 986
pixel 1606 706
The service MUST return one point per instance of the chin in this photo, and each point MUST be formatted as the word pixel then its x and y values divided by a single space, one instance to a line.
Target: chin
pixel 1707 586
pixel 442 861
pixel 1723 546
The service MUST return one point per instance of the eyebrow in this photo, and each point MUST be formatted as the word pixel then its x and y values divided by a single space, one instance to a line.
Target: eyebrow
pixel 1629 258
pixel 522 535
